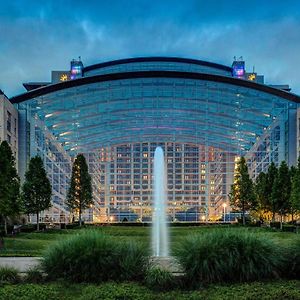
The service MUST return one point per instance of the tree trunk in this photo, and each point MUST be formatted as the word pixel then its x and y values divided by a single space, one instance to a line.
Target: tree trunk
pixel 80 222
pixel 292 216
pixel 280 221
pixel 5 225
pixel 37 221
pixel 273 216
pixel 243 213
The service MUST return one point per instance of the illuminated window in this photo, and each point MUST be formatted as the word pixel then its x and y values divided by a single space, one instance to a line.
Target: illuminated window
pixel 145 154
pixel 145 177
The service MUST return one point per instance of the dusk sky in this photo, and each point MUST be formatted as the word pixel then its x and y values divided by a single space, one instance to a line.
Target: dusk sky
pixel 39 36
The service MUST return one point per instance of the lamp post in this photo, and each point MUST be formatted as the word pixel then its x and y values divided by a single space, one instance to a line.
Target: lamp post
pixel 224 211
pixel 141 211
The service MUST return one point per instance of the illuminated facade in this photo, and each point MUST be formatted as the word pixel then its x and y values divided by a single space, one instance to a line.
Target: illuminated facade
pixel 202 114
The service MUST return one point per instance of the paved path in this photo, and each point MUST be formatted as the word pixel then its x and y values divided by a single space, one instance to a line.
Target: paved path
pixel 20 263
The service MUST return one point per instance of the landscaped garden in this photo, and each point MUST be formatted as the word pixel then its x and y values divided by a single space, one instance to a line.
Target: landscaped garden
pixel 112 262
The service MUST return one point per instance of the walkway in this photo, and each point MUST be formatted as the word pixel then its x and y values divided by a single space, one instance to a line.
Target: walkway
pixel 23 264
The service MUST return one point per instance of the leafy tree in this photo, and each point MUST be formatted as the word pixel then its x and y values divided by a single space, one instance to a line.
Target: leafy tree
pixel 295 190
pixel 242 194
pixel 36 190
pixel 270 179
pixel 80 194
pixel 10 204
pixel 281 191
pixel 261 194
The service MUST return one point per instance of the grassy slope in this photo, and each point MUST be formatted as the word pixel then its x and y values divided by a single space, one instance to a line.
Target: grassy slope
pixel 33 244
pixel 263 291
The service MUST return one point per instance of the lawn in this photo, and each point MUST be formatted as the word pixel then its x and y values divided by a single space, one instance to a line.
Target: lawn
pixel 133 291
pixel 33 244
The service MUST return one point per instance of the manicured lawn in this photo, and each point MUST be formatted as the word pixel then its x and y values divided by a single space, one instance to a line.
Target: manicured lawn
pixel 133 291
pixel 33 244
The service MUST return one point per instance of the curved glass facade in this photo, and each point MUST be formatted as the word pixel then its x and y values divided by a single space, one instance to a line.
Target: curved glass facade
pixel 157 66
pixel 203 125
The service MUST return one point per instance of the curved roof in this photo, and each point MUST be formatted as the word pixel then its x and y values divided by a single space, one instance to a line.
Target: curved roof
pixel 154 74
pixel 157 59
pixel 219 111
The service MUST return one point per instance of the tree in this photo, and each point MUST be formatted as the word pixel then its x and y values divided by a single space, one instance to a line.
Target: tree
pixel 80 194
pixel 295 190
pixel 281 191
pixel 270 179
pixel 242 194
pixel 10 205
pixel 261 195
pixel 36 190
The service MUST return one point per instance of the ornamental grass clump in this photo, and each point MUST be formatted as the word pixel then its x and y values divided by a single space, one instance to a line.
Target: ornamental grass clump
pixel 9 275
pixel 94 257
pixel 159 279
pixel 228 256
pixel 291 266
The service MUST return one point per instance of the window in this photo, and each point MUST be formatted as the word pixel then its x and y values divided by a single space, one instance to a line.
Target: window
pixel 8 122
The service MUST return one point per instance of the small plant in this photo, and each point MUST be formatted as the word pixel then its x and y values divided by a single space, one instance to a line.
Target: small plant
pixel 159 279
pixel 94 257
pixel 228 256
pixel 9 275
pixel 34 275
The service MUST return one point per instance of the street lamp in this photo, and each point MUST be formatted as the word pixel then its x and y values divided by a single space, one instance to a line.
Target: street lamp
pixel 141 211
pixel 224 211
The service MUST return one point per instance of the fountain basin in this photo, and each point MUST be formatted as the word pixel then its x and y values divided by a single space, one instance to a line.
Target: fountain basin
pixel 168 263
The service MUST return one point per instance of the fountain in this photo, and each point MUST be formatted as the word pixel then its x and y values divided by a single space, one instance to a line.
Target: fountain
pixel 160 236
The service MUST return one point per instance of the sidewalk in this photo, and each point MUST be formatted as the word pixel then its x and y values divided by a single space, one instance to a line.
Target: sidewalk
pixel 20 263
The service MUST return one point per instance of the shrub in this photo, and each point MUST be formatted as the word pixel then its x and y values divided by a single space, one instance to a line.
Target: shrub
pixel 9 275
pixel 228 256
pixel 289 228
pixel 159 279
pixel 94 257
pixel 291 265
pixel 34 275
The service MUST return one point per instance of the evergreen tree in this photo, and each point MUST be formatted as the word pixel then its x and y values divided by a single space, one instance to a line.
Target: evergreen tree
pixel 281 191
pixel 10 204
pixel 270 179
pixel 295 191
pixel 261 194
pixel 36 190
pixel 242 194
pixel 80 195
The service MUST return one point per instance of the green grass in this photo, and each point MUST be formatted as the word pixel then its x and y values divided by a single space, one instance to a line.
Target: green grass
pixel 33 244
pixel 132 291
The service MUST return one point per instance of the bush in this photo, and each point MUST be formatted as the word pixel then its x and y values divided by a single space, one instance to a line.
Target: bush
pixel 9 275
pixel 289 228
pixel 159 279
pixel 32 227
pixel 34 275
pixel 228 256
pixel 291 266
pixel 94 257
pixel 275 225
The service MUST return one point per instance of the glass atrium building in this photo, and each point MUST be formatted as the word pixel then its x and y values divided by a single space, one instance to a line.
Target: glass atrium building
pixel 204 116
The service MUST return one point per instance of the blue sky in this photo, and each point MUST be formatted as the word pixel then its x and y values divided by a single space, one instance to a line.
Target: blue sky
pixel 39 36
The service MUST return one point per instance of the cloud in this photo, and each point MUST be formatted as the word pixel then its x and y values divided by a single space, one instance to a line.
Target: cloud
pixel 47 37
